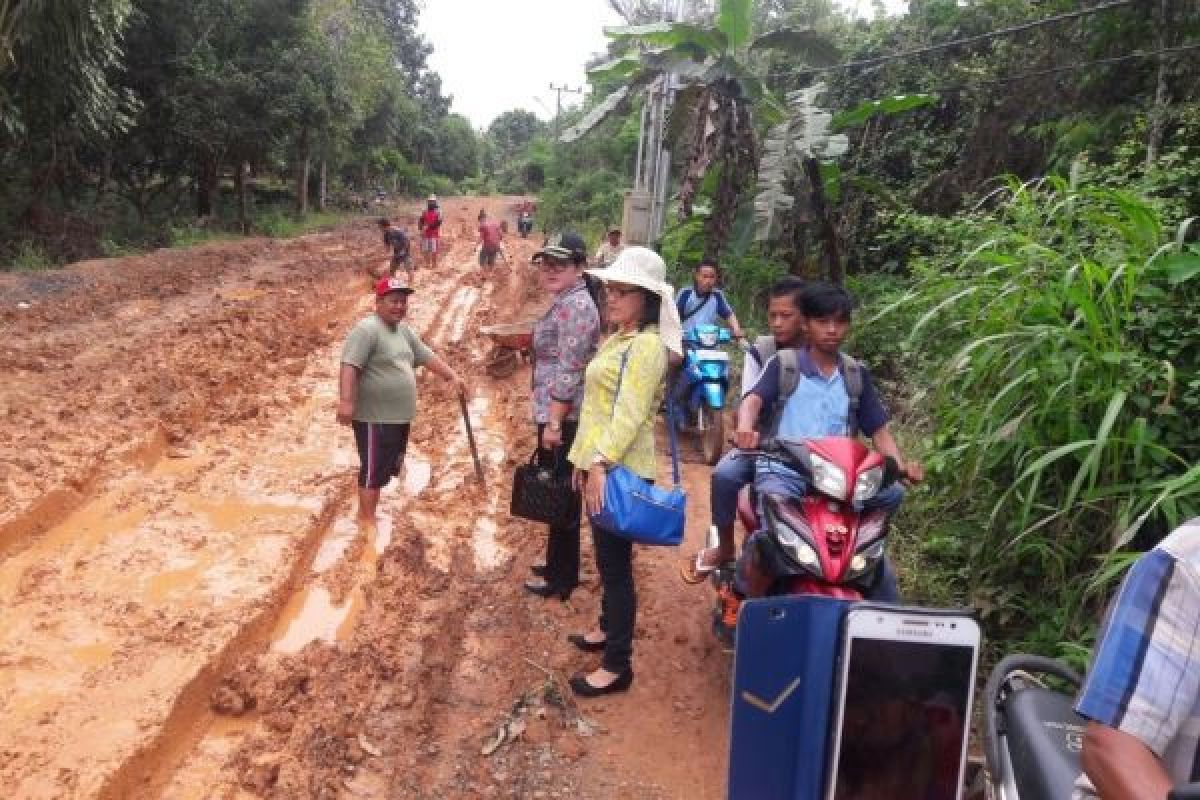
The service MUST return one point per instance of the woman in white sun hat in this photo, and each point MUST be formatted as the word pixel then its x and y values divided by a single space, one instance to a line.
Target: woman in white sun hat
pixel 622 388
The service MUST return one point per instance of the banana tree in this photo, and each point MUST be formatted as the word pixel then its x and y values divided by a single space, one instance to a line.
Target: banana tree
pixel 803 148
pixel 718 97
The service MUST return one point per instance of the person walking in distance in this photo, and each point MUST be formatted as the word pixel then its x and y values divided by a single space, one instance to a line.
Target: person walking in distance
pixel 609 249
pixel 622 387
pixel 564 340
pixel 490 237
pixel 430 224
pixel 396 240
pixel 377 388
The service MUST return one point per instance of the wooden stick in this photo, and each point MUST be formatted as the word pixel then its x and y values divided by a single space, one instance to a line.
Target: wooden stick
pixel 462 403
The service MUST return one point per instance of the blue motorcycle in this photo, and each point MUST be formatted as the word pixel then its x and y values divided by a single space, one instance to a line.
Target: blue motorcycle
pixel 704 384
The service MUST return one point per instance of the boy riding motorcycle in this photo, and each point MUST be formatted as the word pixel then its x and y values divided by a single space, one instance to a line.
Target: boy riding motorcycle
pixel 833 396
pixel 734 471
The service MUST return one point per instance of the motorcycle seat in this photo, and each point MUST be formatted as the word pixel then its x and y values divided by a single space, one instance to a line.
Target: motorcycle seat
pixel 1045 737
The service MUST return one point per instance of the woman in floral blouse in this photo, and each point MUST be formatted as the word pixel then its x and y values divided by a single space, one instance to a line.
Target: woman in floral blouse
pixel 564 340
pixel 616 426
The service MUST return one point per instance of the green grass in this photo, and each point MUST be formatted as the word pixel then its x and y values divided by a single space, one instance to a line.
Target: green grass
pixel 1056 351
pixel 29 256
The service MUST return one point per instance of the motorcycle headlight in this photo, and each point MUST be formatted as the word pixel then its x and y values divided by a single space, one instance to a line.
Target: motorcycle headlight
pixel 865 561
pixel 870 526
pixel 828 478
pixel 867 485
pixel 709 338
pixel 796 549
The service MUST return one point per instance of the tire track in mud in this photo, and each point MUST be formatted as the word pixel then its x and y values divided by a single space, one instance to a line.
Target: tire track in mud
pixel 105 549
pixel 415 599
pixel 144 354
pixel 119 614
pixel 449 648
pixel 389 657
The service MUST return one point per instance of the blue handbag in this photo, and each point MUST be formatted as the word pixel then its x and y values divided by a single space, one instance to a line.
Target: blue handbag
pixel 636 509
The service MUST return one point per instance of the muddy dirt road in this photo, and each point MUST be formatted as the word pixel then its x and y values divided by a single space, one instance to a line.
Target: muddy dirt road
pixel 190 610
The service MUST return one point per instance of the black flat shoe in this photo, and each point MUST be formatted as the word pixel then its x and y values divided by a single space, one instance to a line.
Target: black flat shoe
pixel 581 687
pixel 546 590
pixel 583 644
pixel 538 569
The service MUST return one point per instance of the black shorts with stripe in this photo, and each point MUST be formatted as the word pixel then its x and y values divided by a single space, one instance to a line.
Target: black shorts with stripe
pixel 381 447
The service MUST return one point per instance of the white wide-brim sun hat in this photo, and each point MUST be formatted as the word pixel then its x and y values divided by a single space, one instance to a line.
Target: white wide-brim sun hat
pixel 641 266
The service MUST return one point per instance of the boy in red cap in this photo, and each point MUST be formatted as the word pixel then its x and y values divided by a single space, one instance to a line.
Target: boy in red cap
pixel 377 388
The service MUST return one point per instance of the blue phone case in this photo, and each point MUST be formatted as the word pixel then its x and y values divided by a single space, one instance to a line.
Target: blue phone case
pixel 784 674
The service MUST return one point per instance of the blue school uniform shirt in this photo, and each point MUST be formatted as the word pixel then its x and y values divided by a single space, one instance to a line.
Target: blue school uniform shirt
pixel 704 309
pixel 820 405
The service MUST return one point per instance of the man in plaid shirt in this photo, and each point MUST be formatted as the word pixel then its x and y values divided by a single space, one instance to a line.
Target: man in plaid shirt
pixel 1142 694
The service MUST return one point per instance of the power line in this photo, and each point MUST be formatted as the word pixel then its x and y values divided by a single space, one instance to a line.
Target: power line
pixel 967 40
pixel 1069 68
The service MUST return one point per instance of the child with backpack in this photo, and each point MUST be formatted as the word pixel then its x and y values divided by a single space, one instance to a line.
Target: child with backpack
pixel 703 303
pixel 817 391
pixel 735 470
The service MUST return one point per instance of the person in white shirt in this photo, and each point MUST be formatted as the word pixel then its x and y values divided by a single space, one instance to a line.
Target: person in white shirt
pixel 610 248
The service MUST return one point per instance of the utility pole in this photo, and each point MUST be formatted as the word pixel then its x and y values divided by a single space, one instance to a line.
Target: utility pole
pixel 652 170
pixel 661 98
pixel 558 93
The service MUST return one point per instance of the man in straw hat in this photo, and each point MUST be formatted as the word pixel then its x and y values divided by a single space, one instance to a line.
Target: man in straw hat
pixel 622 386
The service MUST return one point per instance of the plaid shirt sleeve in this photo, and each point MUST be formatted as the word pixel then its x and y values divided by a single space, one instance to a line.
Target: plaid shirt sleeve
pixel 1145 677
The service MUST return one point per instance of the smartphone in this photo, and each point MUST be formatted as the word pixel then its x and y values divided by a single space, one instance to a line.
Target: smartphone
pixel 902 709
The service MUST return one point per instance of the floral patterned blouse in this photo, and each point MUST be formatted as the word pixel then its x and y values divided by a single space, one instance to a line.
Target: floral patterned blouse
pixel 621 428
pixel 563 342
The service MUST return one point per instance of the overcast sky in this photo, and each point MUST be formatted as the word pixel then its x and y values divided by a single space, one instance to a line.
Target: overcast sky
pixel 497 56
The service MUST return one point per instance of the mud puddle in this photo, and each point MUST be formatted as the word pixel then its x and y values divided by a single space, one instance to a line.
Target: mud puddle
pixel 210 621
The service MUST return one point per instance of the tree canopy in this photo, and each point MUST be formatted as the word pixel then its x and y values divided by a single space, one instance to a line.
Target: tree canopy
pixel 111 109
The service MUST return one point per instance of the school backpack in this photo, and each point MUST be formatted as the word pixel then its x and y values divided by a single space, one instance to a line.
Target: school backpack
pixel 789 379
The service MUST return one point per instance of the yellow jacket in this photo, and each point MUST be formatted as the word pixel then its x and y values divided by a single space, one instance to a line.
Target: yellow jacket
pixel 622 432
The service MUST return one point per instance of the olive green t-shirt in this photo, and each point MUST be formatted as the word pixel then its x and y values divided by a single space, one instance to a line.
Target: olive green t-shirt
pixel 386 358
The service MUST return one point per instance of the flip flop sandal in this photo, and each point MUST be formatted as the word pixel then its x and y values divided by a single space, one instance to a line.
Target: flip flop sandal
pixel 694 572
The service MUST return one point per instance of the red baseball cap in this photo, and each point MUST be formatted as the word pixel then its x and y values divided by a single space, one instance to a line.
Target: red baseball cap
pixel 388 285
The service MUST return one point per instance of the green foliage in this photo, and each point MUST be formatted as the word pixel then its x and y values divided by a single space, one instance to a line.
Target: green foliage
pixel 734 19
pixel 1067 366
pixel 873 108
pixel 146 109
pixel 28 256
pixel 820 51
pixel 456 154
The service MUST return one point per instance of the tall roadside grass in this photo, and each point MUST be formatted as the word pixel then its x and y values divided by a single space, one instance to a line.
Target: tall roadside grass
pixel 1063 352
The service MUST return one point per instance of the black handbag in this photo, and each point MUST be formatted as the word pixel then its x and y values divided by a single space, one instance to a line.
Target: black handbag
pixel 540 495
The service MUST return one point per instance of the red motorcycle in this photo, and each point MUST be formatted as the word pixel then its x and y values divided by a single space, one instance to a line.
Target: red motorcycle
pixel 818 543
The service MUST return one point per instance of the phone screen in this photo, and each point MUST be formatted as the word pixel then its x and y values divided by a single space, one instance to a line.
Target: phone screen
pixel 904 720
